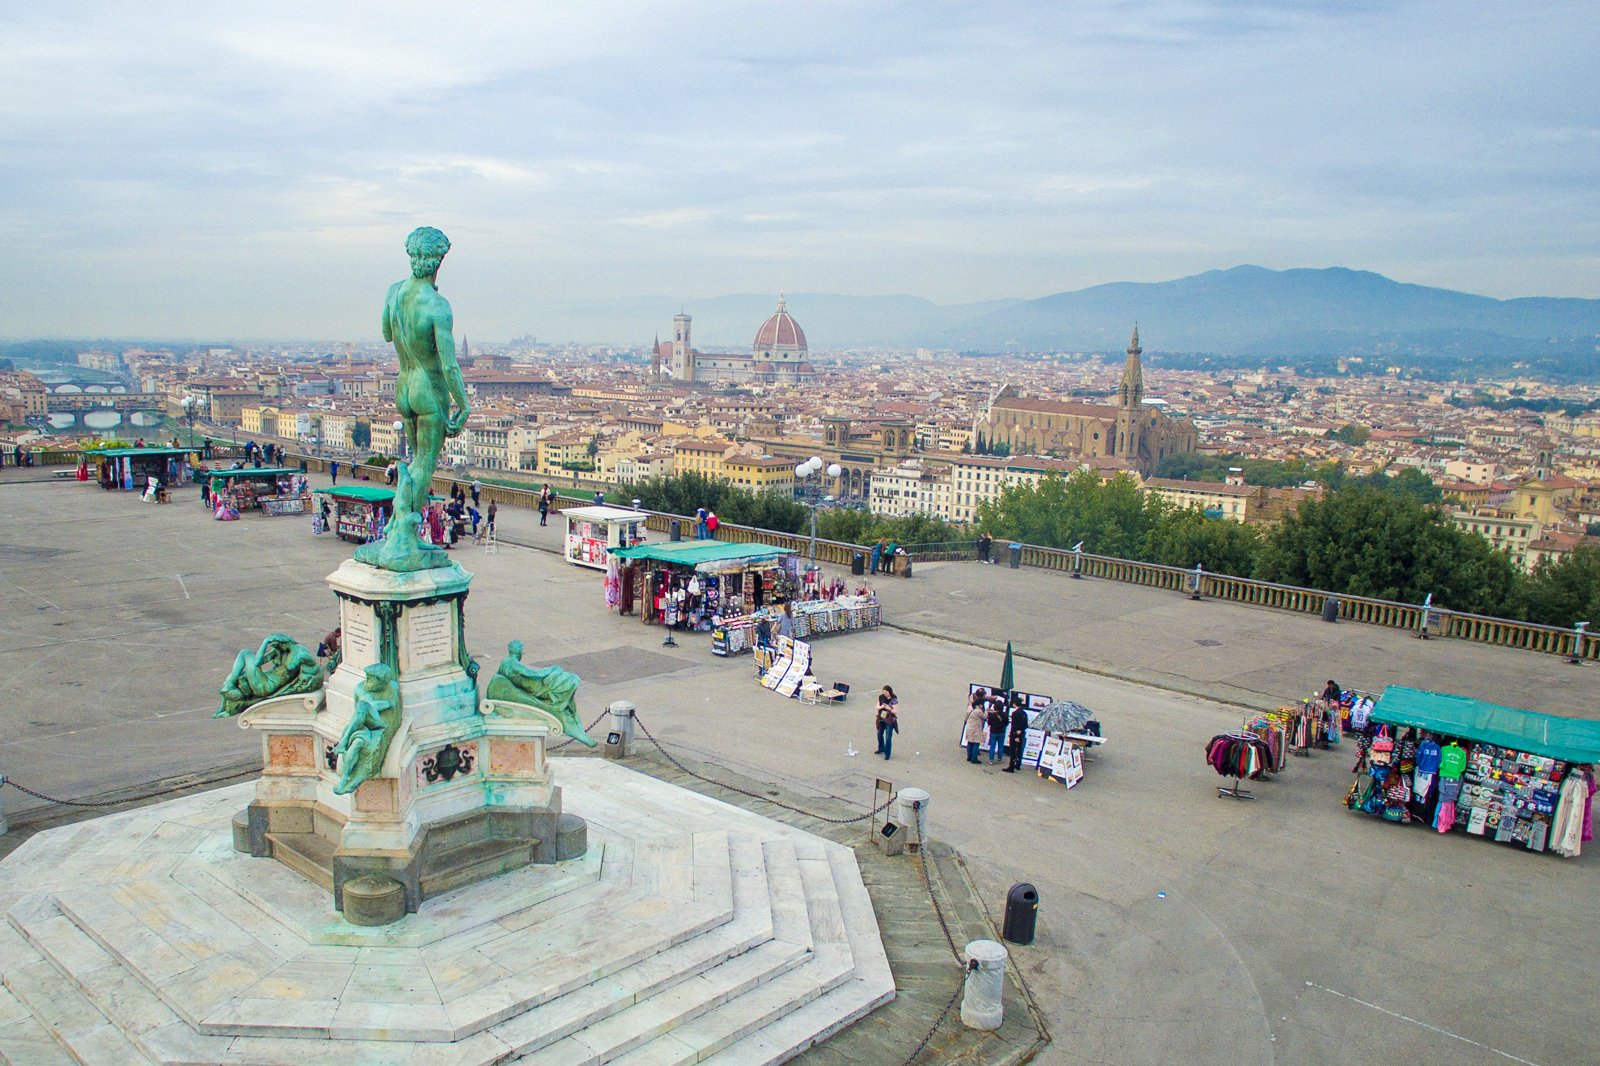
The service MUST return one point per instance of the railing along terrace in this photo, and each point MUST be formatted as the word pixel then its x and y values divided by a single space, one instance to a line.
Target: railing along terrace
pixel 1367 610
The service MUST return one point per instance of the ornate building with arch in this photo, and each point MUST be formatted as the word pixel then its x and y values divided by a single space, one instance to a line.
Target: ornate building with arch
pixel 1132 431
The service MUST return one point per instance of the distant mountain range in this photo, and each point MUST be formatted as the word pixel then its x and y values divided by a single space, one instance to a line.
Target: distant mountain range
pixel 1246 312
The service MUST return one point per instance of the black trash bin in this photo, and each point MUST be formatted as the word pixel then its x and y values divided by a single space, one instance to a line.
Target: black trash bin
pixel 1016 556
pixel 674 530
pixel 1330 609
pixel 858 564
pixel 905 571
pixel 1022 913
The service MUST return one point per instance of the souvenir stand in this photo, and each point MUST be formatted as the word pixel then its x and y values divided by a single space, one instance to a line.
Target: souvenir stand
pixel 276 490
pixel 696 584
pixel 130 469
pixel 1456 763
pixel 1060 734
pixel 359 511
pixel 593 533
pixel 845 612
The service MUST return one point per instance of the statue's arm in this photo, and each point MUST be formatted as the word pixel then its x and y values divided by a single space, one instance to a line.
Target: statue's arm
pixel 444 339
pixel 388 330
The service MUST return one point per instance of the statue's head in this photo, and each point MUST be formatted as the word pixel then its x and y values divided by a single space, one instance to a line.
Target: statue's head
pixel 427 247
pixel 515 648
pixel 379 677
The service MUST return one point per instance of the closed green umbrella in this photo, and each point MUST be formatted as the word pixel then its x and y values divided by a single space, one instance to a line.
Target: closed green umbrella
pixel 1006 681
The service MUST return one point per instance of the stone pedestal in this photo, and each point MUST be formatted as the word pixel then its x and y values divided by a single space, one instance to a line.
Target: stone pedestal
pixel 463 794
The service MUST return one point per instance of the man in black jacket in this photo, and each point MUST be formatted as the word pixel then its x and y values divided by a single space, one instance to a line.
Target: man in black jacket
pixel 1018 737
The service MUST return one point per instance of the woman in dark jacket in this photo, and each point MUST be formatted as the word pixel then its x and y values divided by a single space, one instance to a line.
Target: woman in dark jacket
pixel 998 721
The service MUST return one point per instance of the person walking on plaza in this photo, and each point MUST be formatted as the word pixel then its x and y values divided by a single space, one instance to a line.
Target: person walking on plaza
pixel 544 505
pixel 877 555
pixel 972 730
pixel 887 702
pixel 1018 738
pixel 477 491
pixel 888 722
pixel 489 514
pixel 786 622
pixel 333 471
pixel 999 720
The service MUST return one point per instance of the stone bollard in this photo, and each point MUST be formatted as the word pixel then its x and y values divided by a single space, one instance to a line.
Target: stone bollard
pixel 983 1000
pixel 620 737
pixel 913 804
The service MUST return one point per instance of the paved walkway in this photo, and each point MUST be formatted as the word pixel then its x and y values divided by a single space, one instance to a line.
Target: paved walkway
pixel 1174 926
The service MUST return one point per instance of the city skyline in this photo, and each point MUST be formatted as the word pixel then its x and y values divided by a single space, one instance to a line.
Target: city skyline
pixel 250 175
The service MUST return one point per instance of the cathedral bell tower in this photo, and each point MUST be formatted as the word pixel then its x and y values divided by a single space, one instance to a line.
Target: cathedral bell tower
pixel 1130 403
pixel 682 353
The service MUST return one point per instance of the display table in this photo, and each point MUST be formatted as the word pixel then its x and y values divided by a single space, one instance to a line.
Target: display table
pixel 812 619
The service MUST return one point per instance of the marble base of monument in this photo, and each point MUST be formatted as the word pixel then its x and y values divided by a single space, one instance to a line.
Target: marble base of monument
pixel 690 931
pixel 463 794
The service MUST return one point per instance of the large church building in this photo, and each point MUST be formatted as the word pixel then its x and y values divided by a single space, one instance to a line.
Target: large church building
pixel 779 355
pixel 1139 435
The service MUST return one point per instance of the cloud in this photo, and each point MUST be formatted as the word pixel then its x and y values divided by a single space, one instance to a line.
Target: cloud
pixel 957 151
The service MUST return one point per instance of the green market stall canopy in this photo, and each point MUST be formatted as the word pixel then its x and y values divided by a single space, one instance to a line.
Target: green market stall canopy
pixel 365 493
pixel 1567 739
pixel 698 552
pixel 134 453
pixel 251 472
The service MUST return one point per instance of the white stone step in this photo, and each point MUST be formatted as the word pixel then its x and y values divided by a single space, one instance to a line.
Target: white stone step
pixel 86 1035
pixel 870 986
pixel 829 966
pixel 667 994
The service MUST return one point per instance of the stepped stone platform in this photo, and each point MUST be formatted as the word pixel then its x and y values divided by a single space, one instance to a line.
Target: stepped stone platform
pixel 692 931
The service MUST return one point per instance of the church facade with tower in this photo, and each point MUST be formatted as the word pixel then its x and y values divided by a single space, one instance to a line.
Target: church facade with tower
pixel 1139 434
pixel 779 355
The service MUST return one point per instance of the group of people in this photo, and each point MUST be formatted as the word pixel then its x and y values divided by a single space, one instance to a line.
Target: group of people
pixel 20 456
pixel 272 453
pixel 705 524
pixel 884 554
pixel 1008 730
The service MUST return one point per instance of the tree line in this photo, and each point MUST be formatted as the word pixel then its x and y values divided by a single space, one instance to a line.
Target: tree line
pixel 1358 540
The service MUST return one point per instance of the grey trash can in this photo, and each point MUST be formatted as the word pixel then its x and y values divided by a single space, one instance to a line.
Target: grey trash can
pixel 1022 913
pixel 1016 556
pixel 674 530
pixel 1330 609
pixel 905 571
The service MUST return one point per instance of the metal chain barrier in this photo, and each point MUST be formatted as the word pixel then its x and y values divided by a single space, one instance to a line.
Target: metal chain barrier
pixel 944 927
pixel 7 780
pixel 754 795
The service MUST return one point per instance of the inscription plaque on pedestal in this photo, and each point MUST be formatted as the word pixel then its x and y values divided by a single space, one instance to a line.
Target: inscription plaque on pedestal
pixel 430 636
pixel 359 641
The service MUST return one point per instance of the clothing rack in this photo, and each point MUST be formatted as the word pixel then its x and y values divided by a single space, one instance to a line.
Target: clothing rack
pixel 1223 756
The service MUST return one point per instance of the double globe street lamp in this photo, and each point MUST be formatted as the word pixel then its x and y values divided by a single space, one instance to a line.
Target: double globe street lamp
pixel 806 473
pixel 189 404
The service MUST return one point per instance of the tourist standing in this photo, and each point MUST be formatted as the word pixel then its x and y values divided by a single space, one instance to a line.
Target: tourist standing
pixel 544 504
pixel 333 469
pixel 972 731
pixel 887 702
pixel 1018 738
pixel 786 622
pixel 599 497
pixel 985 546
pixel 877 555
pixel 999 720
pixel 477 491
pixel 391 471
pixel 699 523
pixel 489 514
pixel 888 557
pixel 712 522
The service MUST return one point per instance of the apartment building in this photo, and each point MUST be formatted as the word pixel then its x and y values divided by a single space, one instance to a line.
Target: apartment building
pixel 1504 531
pixel 913 487
pixel 1234 502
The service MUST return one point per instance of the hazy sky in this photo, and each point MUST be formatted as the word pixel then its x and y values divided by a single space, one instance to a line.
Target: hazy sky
pixel 219 169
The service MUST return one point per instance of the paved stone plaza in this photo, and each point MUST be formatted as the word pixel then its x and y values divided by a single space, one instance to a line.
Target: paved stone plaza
pixel 1174 926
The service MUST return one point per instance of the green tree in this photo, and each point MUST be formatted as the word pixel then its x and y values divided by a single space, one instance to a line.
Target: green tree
pixel 1114 518
pixel 1567 592
pixel 1353 433
pixel 1185 537
pixel 1369 543
pixel 361 435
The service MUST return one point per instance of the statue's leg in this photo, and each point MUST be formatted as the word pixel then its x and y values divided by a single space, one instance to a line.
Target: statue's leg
pixel 429 437
pixel 350 763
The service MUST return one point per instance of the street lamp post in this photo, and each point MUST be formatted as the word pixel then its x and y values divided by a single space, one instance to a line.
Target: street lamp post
pixel 188 413
pixel 806 473
pixel 400 436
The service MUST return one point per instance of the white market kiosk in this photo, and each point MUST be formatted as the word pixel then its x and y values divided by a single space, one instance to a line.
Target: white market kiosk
pixel 592 532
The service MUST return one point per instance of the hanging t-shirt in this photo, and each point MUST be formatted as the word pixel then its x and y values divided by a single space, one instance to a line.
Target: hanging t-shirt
pixel 1452 761
pixel 1428 757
